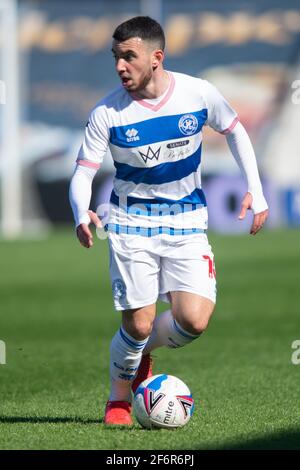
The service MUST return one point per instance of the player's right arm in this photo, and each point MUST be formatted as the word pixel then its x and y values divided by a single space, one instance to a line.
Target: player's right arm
pixel 80 195
pixel 90 156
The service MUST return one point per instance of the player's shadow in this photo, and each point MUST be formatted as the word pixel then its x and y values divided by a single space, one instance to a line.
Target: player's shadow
pixel 48 419
pixel 63 420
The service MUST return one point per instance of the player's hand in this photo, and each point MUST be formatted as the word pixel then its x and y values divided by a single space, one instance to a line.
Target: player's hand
pixel 258 219
pixel 84 234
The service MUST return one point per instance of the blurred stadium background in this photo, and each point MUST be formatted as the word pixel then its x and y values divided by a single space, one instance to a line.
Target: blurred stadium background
pixel 55 64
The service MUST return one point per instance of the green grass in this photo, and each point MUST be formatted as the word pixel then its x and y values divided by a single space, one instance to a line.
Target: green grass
pixel 57 319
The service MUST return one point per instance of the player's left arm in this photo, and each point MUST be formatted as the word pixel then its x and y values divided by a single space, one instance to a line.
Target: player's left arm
pixel 223 119
pixel 241 148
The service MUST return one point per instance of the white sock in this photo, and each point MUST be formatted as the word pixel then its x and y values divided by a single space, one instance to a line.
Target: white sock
pixel 125 357
pixel 167 332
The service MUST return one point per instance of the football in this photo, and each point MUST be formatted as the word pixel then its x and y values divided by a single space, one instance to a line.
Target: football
pixel 163 401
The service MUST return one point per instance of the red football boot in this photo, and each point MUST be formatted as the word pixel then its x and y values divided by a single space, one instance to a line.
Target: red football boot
pixel 118 413
pixel 144 371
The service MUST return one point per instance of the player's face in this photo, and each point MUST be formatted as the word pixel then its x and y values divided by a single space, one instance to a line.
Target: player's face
pixel 135 63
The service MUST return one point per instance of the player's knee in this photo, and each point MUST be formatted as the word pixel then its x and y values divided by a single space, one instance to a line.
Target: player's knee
pixel 196 322
pixel 140 330
pixel 139 322
pixel 197 327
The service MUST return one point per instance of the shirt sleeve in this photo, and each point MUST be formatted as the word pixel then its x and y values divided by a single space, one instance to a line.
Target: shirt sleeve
pixel 96 139
pixel 80 192
pixel 220 115
pixel 242 150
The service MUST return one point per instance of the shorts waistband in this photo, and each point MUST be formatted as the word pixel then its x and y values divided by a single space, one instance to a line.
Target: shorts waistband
pixel 151 231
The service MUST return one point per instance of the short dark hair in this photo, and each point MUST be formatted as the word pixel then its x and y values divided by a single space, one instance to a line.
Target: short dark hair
pixel 142 27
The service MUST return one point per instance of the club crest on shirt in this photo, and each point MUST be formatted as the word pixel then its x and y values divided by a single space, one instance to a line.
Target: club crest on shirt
pixel 119 289
pixel 188 124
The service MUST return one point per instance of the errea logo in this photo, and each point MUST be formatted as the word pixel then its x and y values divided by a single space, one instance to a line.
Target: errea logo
pixel 132 135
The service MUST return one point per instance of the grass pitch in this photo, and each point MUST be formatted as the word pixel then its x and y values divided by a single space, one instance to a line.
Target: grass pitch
pixel 57 320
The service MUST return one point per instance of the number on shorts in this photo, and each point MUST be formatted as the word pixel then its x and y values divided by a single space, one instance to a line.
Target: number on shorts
pixel 211 266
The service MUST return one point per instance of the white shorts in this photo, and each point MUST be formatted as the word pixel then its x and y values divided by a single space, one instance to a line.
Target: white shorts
pixel 144 269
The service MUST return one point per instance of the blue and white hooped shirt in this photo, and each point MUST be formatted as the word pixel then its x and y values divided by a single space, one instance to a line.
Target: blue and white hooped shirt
pixel 156 147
